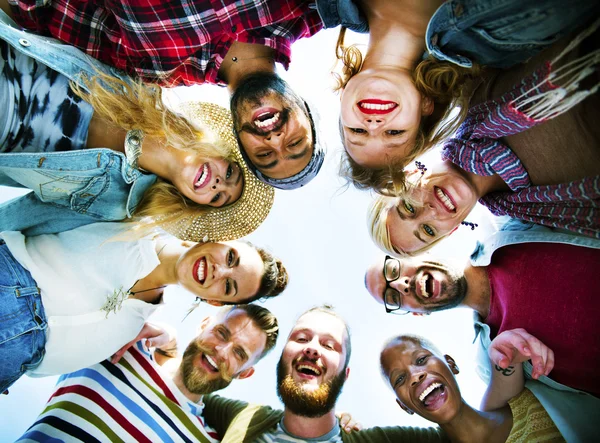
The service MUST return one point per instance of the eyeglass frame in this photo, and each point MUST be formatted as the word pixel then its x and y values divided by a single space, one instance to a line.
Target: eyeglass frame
pixel 396 310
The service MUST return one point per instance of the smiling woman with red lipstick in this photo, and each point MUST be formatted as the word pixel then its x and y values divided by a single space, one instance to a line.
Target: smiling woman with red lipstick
pixel 424 383
pixel 93 286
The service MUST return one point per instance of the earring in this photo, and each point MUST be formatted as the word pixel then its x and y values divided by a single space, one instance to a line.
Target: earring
pixel 420 166
pixel 471 225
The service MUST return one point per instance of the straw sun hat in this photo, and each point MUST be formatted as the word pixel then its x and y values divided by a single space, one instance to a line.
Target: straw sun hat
pixel 244 215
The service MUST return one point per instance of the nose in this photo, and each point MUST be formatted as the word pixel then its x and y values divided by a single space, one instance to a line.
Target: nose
pixel 402 284
pixel 372 122
pixel 221 271
pixel 417 378
pixel 311 352
pixel 219 184
pixel 274 139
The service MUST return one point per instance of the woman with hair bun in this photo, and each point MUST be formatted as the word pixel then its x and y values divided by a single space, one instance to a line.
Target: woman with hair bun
pixel 72 299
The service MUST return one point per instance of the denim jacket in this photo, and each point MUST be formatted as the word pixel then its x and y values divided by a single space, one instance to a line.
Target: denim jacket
pixel 502 33
pixel 74 188
pixel 341 12
pixel 575 413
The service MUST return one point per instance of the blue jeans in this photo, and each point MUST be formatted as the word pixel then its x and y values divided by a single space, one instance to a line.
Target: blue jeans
pixel 22 320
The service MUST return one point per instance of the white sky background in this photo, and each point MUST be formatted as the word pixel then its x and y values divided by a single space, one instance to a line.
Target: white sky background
pixel 320 233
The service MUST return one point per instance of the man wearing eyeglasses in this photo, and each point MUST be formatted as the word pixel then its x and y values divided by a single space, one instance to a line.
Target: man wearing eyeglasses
pixel 523 276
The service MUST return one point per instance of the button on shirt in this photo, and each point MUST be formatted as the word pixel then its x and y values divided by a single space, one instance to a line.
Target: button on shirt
pixel 171 43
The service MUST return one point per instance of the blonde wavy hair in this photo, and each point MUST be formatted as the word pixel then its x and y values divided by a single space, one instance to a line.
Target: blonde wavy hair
pixel 377 216
pixel 134 105
pixel 448 85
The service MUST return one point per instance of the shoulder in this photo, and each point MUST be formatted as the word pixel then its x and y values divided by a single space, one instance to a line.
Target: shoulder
pixel 392 434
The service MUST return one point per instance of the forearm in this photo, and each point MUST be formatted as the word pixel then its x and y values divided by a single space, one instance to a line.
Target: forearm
pixel 504 385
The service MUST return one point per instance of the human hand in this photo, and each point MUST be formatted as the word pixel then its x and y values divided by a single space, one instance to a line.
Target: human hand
pixel 156 336
pixel 516 346
pixel 347 423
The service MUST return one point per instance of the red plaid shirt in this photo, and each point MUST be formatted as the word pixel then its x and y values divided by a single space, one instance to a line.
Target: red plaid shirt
pixel 170 42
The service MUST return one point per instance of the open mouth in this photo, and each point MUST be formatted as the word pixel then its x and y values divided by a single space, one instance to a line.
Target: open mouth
pixel 199 270
pixel 434 396
pixel 427 286
pixel 266 119
pixel 445 199
pixel 308 370
pixel 210 363
pixel 203 176
pixel 376 106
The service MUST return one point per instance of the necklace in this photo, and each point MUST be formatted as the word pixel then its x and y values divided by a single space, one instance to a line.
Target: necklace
pixel 115 301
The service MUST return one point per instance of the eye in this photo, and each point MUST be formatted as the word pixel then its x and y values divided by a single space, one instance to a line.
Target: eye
pixel 395 132
pixel 422 360
pixel 301 339
pixel 328 346
pixel 399 380
pixel 408 207
pixel 228 286
pixel 296 143
pixel 429 230
pixel 221 333
pixel 229 172
pixel 230 258
pixel 264 154
pixel 357 130
pixel 216 197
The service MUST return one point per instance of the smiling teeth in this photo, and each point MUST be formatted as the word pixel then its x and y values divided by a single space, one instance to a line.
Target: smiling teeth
pixel 423 284
pixel 201 268
pixel 377 106
pixel 204 175
pixel 310 368
pixel 427 391
pixel 211 361
pixel 445 199
pixel 268 122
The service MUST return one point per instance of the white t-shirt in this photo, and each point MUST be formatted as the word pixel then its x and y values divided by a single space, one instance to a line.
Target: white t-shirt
pixel 79 272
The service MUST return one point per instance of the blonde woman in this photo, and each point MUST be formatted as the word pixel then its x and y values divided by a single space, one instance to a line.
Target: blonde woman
pixel 395 104
pixel 94 147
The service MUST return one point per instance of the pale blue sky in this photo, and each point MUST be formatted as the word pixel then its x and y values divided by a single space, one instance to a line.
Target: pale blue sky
pixel 319 231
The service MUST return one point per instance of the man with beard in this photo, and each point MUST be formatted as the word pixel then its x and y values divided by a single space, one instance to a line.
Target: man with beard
pixel 523 276
pixel 225 43
pixel 156 396
pixel 310 375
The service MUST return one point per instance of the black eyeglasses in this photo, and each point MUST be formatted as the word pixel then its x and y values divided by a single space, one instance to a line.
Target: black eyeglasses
pixel 392 298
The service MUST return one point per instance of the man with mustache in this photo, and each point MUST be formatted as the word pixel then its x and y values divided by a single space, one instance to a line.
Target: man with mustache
pixel 523 276
pixel 232 42
pixel 156 396
pixel 310 375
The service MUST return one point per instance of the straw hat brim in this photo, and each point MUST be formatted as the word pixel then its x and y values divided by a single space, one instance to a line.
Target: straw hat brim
pixel 244 215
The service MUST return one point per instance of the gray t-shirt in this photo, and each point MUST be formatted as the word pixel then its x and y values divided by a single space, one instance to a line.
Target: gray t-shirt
pixel 282 435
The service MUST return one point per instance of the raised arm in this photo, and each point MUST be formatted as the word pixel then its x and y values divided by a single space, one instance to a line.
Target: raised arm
pixel 507 352
pixel 161 337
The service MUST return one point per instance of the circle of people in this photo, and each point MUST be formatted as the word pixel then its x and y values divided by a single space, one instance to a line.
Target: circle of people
pixel 130 196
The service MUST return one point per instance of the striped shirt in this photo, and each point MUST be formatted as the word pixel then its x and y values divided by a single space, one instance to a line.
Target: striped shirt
pixel 173 43
pixel 477 147
pixel 281 435
pixel 129 401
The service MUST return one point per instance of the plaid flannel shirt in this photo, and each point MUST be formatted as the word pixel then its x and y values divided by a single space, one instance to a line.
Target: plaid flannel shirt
pixel 477 148
pixel 170 42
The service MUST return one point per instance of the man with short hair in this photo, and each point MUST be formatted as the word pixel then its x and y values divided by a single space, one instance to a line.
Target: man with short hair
pixel 310 375
pixel 524 276
pixel 157 396
pixel 229 42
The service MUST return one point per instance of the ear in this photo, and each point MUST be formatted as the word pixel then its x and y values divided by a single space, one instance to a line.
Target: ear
pixel 347 373
pixel 427 106
pixel 420 314
pixel 246 373
pixel 452 364
pixel 404 408
pixel 213 303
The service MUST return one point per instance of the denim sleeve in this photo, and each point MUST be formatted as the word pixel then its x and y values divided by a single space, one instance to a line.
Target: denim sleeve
pixel 33 217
